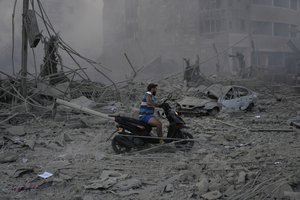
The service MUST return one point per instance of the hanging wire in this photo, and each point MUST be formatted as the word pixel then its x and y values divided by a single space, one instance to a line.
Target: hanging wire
pixel 42 15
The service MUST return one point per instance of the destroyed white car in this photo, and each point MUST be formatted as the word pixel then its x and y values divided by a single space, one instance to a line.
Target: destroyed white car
pixel 216 98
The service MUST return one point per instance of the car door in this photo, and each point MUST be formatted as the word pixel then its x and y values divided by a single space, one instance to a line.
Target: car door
pixel 230 101
pixel 244 96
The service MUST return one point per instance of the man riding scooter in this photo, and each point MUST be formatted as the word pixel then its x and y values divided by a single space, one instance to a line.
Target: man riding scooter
pixel 147 108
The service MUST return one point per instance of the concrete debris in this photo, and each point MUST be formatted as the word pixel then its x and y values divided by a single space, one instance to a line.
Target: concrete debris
pixel 180 166
pixel 291 195
pixel 242 178
pixel 84 102
pixel 107 180
pixel 20 172
pixel 229 191
pixel 16 131
pixel 277 190
pixel 100 184
pixel 202 186
pixel 212 195
pixel 8 157
pixel 236 155
pixel 127 184
pixel 168 188
pixel 76 124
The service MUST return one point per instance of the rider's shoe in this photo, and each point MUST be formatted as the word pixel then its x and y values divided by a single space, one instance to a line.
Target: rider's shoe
pixel 161 141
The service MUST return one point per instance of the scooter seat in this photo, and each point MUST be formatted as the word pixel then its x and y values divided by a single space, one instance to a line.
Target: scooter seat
pixel 133 124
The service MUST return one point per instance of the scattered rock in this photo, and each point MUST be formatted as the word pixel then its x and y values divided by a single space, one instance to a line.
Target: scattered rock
pixel 67 137
pixel 180 166
pixel 193 196
pixel 229 191
pixel 20 172
pixel 168 188
pixel 230 137
pixel 279 191
pixel 202 186
pixel 84 102
pixel 216 186
pixel 292 195
pixel 107 180
pixel 100 184
pixel 76 124
pixel 187 177
pixel 30 143
pixel 16 131
pixel 212 195
pixel 251 175
pixel 8 157
pixel 241 178
pixel 128 184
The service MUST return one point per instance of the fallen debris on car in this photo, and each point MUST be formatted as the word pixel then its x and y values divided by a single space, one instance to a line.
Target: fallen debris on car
pixel 216 98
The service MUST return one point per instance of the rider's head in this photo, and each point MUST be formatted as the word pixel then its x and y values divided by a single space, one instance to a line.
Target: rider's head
pixel 152 88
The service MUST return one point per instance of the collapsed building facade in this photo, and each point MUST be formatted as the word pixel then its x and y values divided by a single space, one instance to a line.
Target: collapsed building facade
pixel 212 29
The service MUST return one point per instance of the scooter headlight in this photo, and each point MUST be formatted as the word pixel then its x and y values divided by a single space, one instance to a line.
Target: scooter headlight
pixel 120 130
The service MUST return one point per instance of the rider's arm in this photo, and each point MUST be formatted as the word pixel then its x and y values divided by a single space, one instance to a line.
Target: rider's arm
pixel 149 103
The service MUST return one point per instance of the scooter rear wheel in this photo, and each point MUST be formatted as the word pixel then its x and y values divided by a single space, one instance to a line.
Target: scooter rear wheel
pixel 118 146
pixel 186 145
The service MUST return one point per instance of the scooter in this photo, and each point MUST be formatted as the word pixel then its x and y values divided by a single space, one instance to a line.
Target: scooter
pixel 135 134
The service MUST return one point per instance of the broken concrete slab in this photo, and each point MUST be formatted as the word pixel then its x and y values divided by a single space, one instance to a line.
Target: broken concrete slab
pixel 30 143
pixel 76 124
pixel 21 171
pixel 180 166
pixel 230 137
pixel 58 91
pixel 291 195
pixel 212 195
pixel 168 188
pixel 16 131
pixel 107 179
pixel 242 178
pixel 203 186
pixel 278 191
pixel 230 190
pixel 84 102
pixel 8 157
pixel 129 184
pixel 100 184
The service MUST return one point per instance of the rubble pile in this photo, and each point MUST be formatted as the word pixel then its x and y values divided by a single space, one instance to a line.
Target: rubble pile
pixel 240 155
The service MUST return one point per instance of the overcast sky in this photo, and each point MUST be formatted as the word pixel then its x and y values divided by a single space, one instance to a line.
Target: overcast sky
pixel 78 22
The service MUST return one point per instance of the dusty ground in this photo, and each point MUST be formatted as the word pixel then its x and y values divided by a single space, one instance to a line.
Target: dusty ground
pixel 254 155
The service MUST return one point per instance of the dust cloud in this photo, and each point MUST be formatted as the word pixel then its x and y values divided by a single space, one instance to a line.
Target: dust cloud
pixel 78 23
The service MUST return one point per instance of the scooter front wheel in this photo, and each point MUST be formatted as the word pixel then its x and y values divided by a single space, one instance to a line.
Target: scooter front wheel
pixel 118 145
pixel 187 144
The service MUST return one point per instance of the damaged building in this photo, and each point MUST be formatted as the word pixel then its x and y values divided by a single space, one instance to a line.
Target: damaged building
pixel 173 29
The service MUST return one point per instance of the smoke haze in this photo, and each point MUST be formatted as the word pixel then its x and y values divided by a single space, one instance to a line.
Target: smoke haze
pixel 78 23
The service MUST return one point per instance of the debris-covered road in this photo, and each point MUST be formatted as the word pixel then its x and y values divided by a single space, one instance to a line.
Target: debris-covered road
pixel 242 155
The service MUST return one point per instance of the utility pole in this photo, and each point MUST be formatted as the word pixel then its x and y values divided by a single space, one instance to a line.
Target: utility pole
pixel 24 50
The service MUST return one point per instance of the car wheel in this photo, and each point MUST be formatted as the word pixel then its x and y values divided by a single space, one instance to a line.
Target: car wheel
pixel 198 112
pixel 213 111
